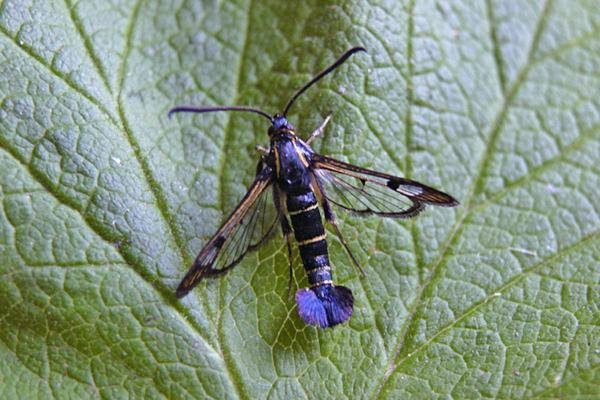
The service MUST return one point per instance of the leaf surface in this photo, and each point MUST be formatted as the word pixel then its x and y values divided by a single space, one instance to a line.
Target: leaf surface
pixel 104 201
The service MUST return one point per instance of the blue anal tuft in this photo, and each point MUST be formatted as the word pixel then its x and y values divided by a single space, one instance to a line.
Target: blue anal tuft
pixel 325 306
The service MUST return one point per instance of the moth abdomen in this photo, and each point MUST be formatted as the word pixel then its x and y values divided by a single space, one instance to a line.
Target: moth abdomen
pixel 322 304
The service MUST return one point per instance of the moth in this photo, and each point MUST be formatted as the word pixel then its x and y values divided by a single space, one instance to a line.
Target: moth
pixel 302 183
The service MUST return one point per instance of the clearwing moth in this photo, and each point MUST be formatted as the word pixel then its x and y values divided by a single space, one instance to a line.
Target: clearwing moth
pixel 302 183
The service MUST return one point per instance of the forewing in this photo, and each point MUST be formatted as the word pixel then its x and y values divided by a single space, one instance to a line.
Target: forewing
pixel 365 191
pixel 248 226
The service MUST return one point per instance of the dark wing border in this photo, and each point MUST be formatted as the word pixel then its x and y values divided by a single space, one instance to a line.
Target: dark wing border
pixel 235 235
pixel 364 191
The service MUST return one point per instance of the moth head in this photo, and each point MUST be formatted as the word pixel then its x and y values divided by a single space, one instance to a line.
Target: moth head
pixel 279 124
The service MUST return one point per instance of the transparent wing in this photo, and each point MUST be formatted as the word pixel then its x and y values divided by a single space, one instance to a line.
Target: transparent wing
pixel 248 226
pixel 364 191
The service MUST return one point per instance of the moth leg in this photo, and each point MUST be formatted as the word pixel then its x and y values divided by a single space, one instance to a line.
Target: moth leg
pixel 286 229
pixel 287 233
pixel 319 129
pixel 262 150
pixel 260 165
pixel 330 217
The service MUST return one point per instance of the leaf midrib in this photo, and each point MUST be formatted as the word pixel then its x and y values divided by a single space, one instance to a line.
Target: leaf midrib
pixel 438 264
pixel 231 367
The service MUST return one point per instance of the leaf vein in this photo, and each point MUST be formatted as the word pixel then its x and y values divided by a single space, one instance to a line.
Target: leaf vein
pixel 510 283
pixel 474 190
pixel 130 259
pixel 87 44
pixel 496 47
pixel 59 75
pixel 228 359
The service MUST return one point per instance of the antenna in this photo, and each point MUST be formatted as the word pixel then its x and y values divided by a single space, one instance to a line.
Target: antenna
pixel 321 74
pixel 202 110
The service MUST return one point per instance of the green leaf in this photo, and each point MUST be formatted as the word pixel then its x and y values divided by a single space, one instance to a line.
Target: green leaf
pixel 104 201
